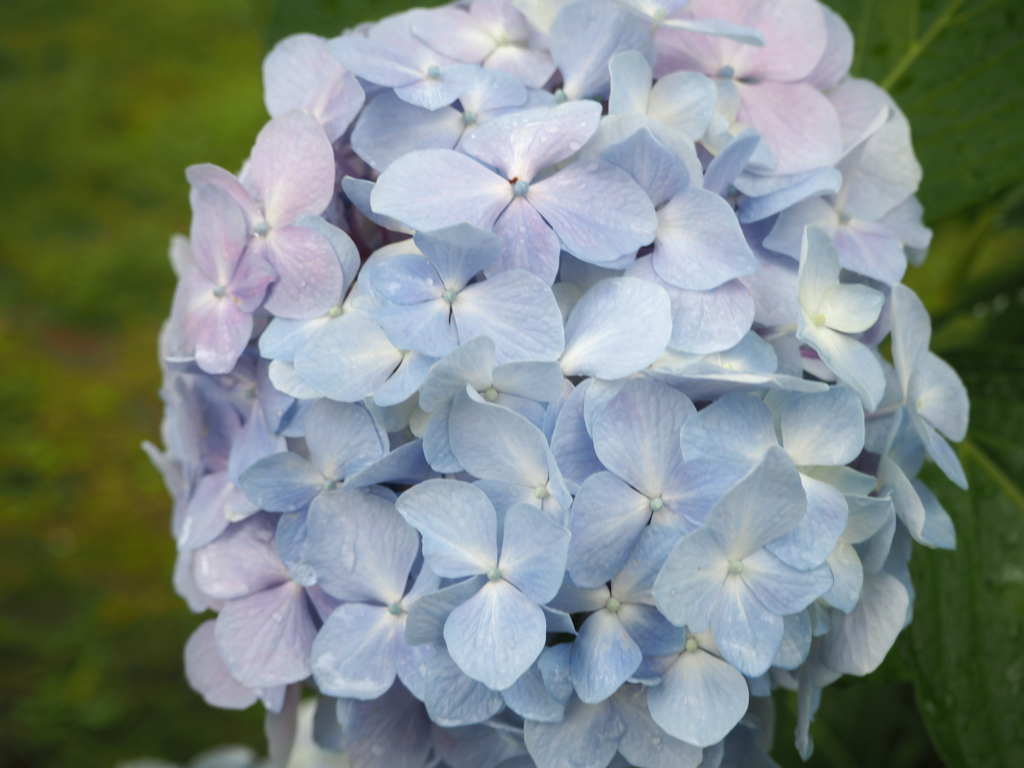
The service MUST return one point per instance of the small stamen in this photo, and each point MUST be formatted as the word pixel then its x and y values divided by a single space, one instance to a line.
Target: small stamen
pixel 736 567
pixel 395 609
pixel 657 505
pixel 433 71
pixel 819 319
pixel 661 14
pixel 261 229
pixel 491 394
pixel 726 72
pixel 334 312
pixel 541 492
pixel 469 117
pixel 844 217
pixel 494 574
pixel 329 485
pixel 521 187
pixel 560 96
pixel 219 291
pixel 691 645
pixel 449 295
pixel 613 605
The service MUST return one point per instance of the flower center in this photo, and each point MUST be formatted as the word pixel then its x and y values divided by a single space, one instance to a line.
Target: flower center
pixel 560 96
pixel 657 505
pixel 521 187
pixel 329 485
pixel 469 117
pixel 261 229
pixel 491 394
pixel 433 71
pixel 334 312
pixel 736 566
pixel 844 217
pixel 691 645
pixel 501 39
pixel 449 295
pixel 494 574
pixel 819 319
pixel 541 492
pixel 613 605
pixel 661 14
pixel 727 72
pixel 219 291
pixel 395 609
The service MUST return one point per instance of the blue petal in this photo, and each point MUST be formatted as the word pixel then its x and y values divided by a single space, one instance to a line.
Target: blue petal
pixel 389 127
pixel 700 700
pixel 518 311
pixel 453 699
pixel 658 171
pixel 747 633
pixel 458 525
pixel 470 363
pixel 645 742
pixel 619 327
pixel 496 635
pixel 529 698
pixel 360 547
pixel 405 465
pixel 437 442
pixel 404 381
pixel 348 359
pixel 406 278
pixel 606 521
pixel 767 503
pixel 426 618
pixel 533 553
pixel 796 641
pixel 355 651
pixel 650 630
pixel 807 545
pixel 283 482
pixel 459 253
pixel 342 439
pixel 554 669
pixel 737 429
pixel 492 443
pixel 730 162
pixel 425 327
pixel 587 737
pixel 636 435
pixel 858 642
pixel 691 579
pixel 604 656
pixel 393 730
pixel 571 443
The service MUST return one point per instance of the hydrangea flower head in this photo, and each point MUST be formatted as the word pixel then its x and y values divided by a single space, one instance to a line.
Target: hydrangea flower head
pixel 527 391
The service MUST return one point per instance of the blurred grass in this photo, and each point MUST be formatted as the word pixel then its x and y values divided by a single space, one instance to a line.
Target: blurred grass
pixel 105 103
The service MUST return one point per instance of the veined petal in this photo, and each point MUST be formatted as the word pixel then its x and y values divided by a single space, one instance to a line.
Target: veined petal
pixel 453 698
pixel 292 168
pixel 342 438
pixel 694 574
pixel 596 209
pixel 747 633
pixel 700 699
pixel 851 308
pixel 282 482
pixel 533 553
pixel 517 310
pixel 309 277
pixel 354 653
pixel 435 188
pixel 360 547
pixel 781 589
pixel 587 737
pixel 458 525
pixel 603 657
pixel 825 429
pixel 523 144
pixel 807 545
pixel 606 521
pixel 620 326
pixel 528 242
pixel 496 635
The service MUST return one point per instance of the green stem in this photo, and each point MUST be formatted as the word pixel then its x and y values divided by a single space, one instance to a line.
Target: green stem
pixel 990 468
pixel 918 46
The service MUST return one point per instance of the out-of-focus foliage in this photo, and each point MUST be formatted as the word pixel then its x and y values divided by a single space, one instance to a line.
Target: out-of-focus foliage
pixel 954 66
pixel 105 104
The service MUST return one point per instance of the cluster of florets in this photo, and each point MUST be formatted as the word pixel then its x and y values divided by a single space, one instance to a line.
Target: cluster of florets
pixel 524 394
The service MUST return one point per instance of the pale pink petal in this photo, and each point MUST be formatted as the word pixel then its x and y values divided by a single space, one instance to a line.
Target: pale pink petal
pixel 292 168
pixel 309 275
pixel 218 233
pixel 835 64
pixel 223 337
pixel 796 121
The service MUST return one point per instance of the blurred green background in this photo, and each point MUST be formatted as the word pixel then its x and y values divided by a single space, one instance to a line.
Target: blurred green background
pixel 105 103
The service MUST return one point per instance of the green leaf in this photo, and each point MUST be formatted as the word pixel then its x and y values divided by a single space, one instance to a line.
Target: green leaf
pixel 325 17
pixel 965 649
pixel 954 67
